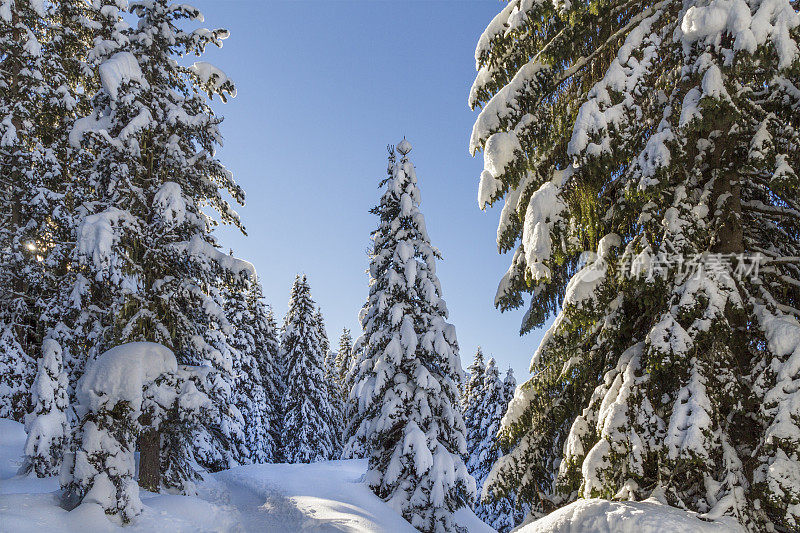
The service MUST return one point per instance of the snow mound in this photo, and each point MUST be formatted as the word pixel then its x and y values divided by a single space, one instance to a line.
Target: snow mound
pixel 121 373
pixel 604 516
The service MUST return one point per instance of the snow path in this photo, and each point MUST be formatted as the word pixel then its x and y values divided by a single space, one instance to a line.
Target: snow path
pixel 257 506
pixel 276 498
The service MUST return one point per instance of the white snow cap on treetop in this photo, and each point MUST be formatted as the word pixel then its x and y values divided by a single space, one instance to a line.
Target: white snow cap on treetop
pixel 404 146
pixel 121 373
pixel 119 68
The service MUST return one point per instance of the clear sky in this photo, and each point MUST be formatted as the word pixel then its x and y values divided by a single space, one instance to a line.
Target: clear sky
pixel 323 87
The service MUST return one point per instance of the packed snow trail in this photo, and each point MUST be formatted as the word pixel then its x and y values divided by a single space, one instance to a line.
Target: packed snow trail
pixel 320 497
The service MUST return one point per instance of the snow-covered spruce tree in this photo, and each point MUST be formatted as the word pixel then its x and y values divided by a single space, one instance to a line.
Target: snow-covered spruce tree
pixel 248 392
pixel 334 392
pixel 46 425
pixel 471 401
pixel 661 137
pixel 510 384
pixel 32 107
pixel 268 359
pixel 322 334
pixel 84 33
pixel 406 390
pixel 352 448
pixel 15 375
pixel 129 389
pixel 344 357
pixel 145 243
pixel 498 513
pixel 306 435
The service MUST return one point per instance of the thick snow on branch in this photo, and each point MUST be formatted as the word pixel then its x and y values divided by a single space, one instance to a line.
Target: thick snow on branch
pixel 783 340
pixel 544 211
pixel 599 114
pixel 119 68
pixel 212 76
pixel 171 203
pixel 122 373
pixel 503 105
pixel 96 235
pixel 102 124
pixel 587 280
pixel 199 248
pixel 772 21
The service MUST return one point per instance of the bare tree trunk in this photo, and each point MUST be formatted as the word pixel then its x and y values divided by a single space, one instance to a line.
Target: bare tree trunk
pixel 150 460
pixel 726 193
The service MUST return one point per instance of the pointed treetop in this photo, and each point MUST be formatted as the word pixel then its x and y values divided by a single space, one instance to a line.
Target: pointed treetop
pixel 404 146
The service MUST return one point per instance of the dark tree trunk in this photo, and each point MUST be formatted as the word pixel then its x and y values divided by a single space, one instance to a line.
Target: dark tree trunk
pixel 726 193
pixel 150 460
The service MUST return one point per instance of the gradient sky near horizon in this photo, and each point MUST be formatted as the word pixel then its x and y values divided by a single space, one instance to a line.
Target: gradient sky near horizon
pixel 323 87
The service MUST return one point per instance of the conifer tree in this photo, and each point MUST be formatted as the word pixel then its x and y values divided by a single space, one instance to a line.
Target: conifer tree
pixel 500 514
pixel 46 425
pixel 334 392
pixel 306 435
pixel 15 375
pixel 405 398
pixel 344 358
pixel 34 102
pixel 352 448
pixel 248 394
pixel 146 256
pixel 268 359
pixel 510 384
pixel 657 137
pixel 471 402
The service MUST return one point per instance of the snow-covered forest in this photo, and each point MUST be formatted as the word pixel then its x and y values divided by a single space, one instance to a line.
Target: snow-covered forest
pixel 644 160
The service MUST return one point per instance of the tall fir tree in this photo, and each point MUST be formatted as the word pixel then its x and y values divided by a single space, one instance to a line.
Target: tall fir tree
pixel 334 391
pixel 306 436
pixel 405 398
pixel 659 137
pixel 16 371
pixel 345 362
pixel 498 513
pixel 249 395
pixel 344 358
pixel 145 265
pixel 46 426
pixel 34 104
pixel 510 384
pixel 471 401
pixel 272 375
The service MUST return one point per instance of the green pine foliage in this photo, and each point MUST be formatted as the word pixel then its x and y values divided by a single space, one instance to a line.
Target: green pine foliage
pixel 658 138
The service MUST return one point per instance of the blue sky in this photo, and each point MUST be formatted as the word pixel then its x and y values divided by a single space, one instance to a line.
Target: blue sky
pixel 323 87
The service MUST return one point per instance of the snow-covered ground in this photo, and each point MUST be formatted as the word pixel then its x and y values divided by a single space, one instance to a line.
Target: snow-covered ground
pixel 323 497
pixel 603 516
pixel 318 497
